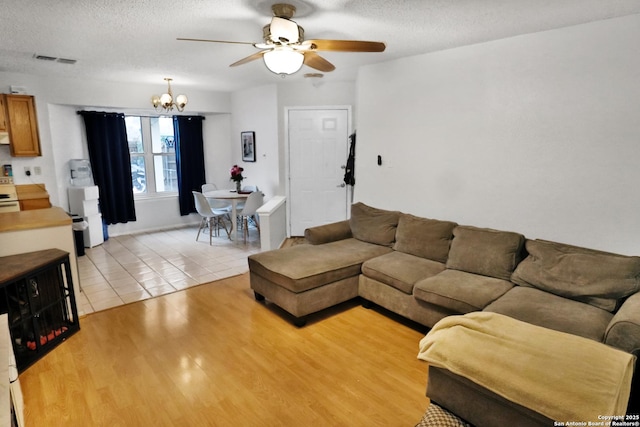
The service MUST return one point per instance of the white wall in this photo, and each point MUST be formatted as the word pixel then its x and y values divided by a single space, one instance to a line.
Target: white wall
pixel 69 142
pixel 537 134
pixel 256 110
pixel 217 148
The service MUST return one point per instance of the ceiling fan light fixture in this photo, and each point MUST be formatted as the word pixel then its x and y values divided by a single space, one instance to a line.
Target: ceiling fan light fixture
pixel 284 49
pixel 164 102
pixel 283 60
pixel 283 31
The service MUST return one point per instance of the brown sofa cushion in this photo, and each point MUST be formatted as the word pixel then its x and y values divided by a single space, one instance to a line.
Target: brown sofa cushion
pixel 400 270
pixel 373 225
pixel 597 278
pixel 485 251
pixel 303 267
pixel 328 233
pixel 423 237
pixel 552 311
pixel 459 291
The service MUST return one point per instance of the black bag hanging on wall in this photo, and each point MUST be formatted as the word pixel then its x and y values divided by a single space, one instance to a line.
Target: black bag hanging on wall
pixel 350 169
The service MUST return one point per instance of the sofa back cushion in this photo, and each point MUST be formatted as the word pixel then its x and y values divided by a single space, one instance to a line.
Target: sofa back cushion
pixel 373 225
pixel 485 251
pixel 423 237
pixel 598 278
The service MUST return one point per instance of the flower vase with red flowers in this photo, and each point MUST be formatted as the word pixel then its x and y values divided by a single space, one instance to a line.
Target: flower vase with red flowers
pixel 236 176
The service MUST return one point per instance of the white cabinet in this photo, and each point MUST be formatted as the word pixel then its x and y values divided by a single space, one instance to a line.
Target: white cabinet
pixel 83 201
pixel 93 234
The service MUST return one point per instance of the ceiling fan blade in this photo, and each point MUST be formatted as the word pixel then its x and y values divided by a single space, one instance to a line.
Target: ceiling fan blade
pixel 249 58
pixel 313 60
pixel 345 45
pixel 212 41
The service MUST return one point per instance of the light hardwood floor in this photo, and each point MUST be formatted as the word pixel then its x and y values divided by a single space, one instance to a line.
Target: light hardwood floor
pixel 211 355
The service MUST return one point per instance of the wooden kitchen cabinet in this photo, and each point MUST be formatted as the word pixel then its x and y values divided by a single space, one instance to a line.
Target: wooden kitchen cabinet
pixel 22 125
pixel 26 205
pixel 3 114
pixel 32 196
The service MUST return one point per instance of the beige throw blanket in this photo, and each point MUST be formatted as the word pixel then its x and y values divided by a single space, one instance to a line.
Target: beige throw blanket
pixel 559 375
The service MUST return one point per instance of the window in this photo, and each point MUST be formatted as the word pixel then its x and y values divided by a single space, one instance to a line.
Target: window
pixel 153 155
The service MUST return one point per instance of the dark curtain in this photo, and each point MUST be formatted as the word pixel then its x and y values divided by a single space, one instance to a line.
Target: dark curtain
pixel 189 159
pixel 111 164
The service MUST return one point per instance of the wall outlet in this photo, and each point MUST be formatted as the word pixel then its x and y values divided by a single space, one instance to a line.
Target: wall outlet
pixel 37 170
pixel 27 170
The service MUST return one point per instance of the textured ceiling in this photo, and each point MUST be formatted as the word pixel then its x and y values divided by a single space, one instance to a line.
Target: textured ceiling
pixel 135 40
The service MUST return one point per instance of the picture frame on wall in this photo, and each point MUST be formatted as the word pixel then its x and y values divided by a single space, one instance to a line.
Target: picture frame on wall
pixel 248 146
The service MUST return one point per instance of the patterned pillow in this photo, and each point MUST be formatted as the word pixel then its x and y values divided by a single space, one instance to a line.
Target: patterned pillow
pixel 440 417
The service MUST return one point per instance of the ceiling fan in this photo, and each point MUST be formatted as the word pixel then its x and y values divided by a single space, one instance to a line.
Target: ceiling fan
pixel 285 50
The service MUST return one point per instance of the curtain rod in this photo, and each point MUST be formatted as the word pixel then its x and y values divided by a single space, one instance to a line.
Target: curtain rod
pixel 140 115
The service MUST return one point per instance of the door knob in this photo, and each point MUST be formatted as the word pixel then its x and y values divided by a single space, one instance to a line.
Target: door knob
pixel 341 185
pixel 343 167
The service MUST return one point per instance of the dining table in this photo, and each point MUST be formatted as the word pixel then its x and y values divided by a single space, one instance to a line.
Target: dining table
pixel 233 197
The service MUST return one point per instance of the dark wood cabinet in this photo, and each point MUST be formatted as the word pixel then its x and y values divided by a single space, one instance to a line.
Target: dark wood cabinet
pixel 36 292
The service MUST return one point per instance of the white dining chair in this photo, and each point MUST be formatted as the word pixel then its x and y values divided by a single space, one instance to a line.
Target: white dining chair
pixel 217 204
pixel 209 187
pixel 210 218
pixel 253 203
pixel 246 189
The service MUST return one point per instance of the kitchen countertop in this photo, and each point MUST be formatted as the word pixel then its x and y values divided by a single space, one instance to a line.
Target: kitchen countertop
pixel 31 191
pixel 32 219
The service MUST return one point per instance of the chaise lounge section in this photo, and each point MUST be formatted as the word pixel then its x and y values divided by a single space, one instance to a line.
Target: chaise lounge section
pixel 305 279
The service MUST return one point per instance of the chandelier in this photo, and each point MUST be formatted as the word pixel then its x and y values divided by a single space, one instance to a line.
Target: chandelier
pixel 165 102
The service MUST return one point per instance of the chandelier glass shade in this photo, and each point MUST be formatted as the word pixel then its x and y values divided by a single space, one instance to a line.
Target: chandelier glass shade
pixel 166 102
pixel 283 60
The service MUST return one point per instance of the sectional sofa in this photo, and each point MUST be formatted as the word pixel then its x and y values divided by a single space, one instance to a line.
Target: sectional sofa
pixel 427 269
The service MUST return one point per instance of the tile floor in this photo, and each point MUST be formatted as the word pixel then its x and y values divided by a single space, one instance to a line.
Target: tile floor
pixel 136 267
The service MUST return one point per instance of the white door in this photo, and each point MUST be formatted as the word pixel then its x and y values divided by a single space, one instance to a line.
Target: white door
pixel 318 141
